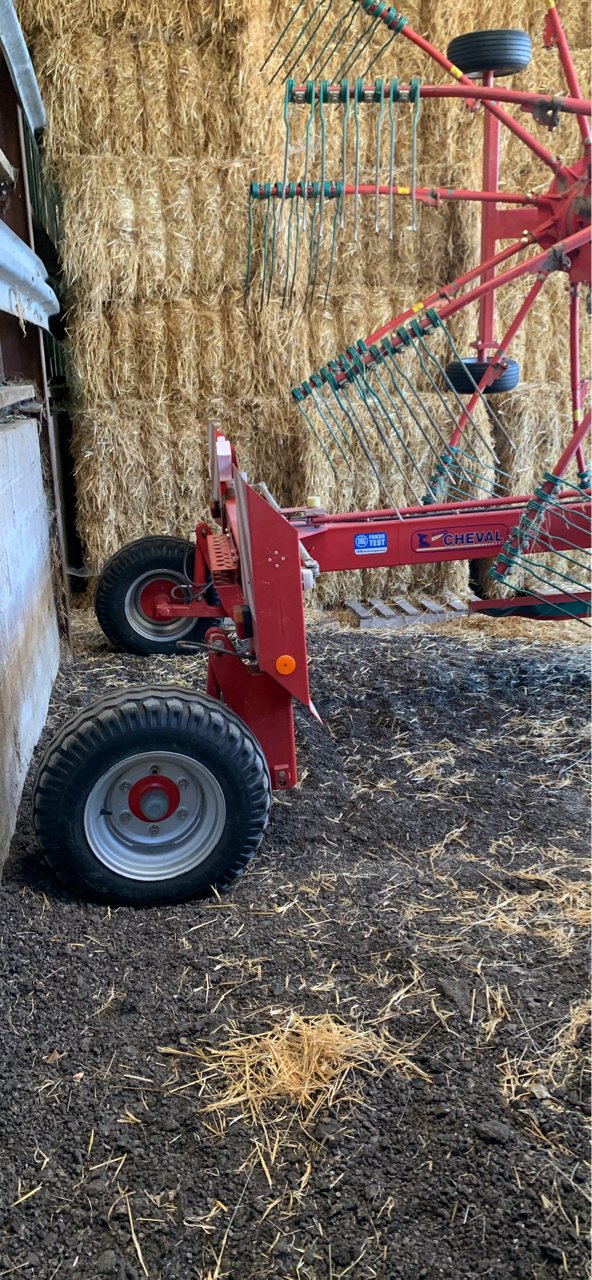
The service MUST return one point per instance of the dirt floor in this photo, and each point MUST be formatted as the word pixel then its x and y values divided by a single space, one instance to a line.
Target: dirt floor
pixel 422 897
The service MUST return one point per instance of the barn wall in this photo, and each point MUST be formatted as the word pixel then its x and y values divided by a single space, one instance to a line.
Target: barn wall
pixel 29 648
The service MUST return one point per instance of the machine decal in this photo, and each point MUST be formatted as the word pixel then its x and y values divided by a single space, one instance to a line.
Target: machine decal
pixel 368 544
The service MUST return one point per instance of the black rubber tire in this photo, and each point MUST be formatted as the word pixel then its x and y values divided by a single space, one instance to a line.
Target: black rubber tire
pixel 119 574
pixel 504 52
pixel 138 720
pixel 463 374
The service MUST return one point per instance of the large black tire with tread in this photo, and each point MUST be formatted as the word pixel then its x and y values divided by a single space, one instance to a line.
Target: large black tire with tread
pixel 505 52
pixel 463 374
pixel 119 587
pixel 104 739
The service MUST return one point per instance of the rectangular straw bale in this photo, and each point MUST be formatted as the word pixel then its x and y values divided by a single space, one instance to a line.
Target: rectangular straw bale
pixel 89 349
pixel 210 215
pixel 188 439
pixel 123 352
pixel 186 95
pixel 100 246
pixel 151 348
pixel 184 374
pixel 147 181
pixel 109 463
pixel 123 78
pixel 178 201
pixel 153 76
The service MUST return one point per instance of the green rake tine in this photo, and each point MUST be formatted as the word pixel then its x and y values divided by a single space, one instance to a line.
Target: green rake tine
pixel 357 427
pixel 435 319
pixel 323 89
pixel 316 393
pixel 393 97
pixel 273 240
pixel 358 94
pixel 321 408
pixel 339 200
pixel 309 97
pixel 312 242
pixel 299 396
pixel 299 37
pixel 408 382
pixel 414 96
pixel 249 247
pixel 308 42
pixel 315 70
pixel 362 42
pixel 378 55
pixel 292 196
pixel 400 437
pixel 365 391
pixel 296 242
pixel 346 29
pixel 544 537
pixel 453 347
pixel 281 35
pixel 265 243
pixel 378 88
pixel 289 90
pixel 344 96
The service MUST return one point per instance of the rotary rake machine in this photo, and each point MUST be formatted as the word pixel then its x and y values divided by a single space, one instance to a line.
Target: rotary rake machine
pixel 159 794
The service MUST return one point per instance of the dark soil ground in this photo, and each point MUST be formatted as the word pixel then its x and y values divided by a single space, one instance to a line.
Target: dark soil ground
pixel 427 879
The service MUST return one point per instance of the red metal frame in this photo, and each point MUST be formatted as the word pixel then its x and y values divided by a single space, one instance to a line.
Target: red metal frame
pixel 255 559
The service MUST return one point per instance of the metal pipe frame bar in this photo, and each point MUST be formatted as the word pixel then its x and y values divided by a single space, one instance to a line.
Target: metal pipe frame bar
pixel 311 518
pixel 554 35
pixel 553 162
pixel 489 95
pixel 539 262
pixel 428 195
pixel 500 350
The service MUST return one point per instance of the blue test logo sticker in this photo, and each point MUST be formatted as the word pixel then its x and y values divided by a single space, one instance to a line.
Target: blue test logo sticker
pixel 368 544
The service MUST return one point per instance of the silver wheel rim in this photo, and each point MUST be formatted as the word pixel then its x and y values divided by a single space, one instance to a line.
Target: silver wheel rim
pixel 156 848
pixel 151 628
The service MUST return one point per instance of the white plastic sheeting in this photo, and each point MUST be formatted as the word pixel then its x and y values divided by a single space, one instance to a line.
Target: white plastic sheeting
pixel 24 291
pixel 16 54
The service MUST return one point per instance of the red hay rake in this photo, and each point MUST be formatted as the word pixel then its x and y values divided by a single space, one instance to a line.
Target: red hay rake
pixel 159 794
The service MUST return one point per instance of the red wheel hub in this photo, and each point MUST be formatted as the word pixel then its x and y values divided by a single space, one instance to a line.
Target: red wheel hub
pixel 150 595
pixel 154 798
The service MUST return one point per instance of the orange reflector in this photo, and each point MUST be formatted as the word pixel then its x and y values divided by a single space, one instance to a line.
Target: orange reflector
pixel 285 664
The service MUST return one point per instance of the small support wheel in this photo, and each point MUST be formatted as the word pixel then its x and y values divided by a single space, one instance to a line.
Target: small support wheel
pixel 462 375
pixel 151 796
pixel 504 52
pixel 129 586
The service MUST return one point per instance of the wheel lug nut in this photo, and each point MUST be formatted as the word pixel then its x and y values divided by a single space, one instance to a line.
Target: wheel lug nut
pixel 182 784
pixel 125 816
pixel 125 786
pixel 154 830
pixel 182 813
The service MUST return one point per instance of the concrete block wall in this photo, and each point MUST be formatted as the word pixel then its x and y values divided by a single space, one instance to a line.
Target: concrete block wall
pixel 29 645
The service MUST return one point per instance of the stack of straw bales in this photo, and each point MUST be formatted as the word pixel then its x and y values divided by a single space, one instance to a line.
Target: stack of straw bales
pixel 158 119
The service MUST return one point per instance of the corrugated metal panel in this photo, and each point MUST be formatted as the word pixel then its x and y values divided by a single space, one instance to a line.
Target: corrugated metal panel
pixel 19 64
pixel 24 291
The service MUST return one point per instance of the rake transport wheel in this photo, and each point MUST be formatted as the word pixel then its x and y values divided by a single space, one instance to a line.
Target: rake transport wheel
pixel 129 586
pixel 151 796
pixel 503 52
pixel 465 375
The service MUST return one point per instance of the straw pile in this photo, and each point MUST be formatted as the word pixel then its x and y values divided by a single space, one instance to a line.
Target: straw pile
pixel 305 1064
pixel 158 119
